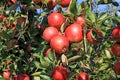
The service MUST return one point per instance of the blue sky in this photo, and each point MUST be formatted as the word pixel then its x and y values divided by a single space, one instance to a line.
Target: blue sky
pixel 104 7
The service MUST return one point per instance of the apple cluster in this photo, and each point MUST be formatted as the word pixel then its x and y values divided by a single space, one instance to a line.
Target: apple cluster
pixel 116 48
pixel 60 41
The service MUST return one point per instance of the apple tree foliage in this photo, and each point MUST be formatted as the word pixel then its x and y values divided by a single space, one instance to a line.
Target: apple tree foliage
pixel 22 46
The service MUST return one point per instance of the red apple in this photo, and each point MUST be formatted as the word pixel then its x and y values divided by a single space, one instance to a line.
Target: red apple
pixel 116 67
pixel 74 33
pixel 56 19
pixel 116 33
pixel 64 3
pixel 49 33
pixel 116 49
pixel 81 21
pixel 82 76
pixel 23 77
pixel 60 73
pixel 59 43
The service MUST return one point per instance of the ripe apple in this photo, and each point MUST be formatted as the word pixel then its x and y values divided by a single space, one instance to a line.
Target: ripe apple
pixel 12 26
pixel 23 77
pixel 28 48
pixel 56 19
pixel 74 33
pixel 14 1
pixel 6 74
pixel 64 3
pixel 82 76
pixel 20 20
pixel 14 77
pixel 116 33
pixel 51 4
pixel 81 21
pixel 49 33
pixel 10 2
pixel 116 49
pixel 59 43
pixel 116 67
pixel 90 36
pixel 60 73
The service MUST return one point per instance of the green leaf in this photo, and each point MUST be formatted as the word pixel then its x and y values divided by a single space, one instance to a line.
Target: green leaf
pixel 91 15
pixel 68 14
pixel 51 56
pixel 103 15
pixel 103 67
pixel 3 79
pixel 73 66
pixel 1 47
pixel 44 61
pixel 47 60
pixel 45 64
pixel 37 64
pixel 73 7
pixel 42 58
pixel 36 55
pixel 88 22
pixel 45 77
pixel 35 74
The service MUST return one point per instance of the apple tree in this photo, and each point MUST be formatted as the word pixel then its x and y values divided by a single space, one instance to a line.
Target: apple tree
pixel 59 40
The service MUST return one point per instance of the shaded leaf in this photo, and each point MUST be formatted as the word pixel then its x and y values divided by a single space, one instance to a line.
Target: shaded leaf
pixel 117 19
pixel 84 5
pixel 103 20
pixel 79 8
pixel 73 7
pixel 26 1
pixel 13 7
pixel 4 35
pixel 105 1
pixel 51 56
pixel 115 4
